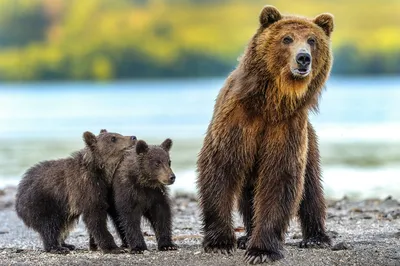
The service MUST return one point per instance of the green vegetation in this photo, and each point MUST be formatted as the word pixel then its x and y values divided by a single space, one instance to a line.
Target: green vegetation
pixel 105 39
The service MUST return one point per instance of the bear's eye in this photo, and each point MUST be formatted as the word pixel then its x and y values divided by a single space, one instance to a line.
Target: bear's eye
pixel 113 139
pixel 287 40
pixel 311 41
pixel 169 163
pixel 158 163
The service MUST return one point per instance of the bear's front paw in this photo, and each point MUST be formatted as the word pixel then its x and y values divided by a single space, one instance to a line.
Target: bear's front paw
pixel 242 242
pixel 138 249
pixel 222 245
pixel 257 256
pixel 322 241
pixel 59 250
pixel 68 246
pixel 114 251
pixel 167 247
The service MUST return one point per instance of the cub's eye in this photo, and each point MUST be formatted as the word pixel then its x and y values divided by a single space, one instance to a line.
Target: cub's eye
pixel 311 41
pixel 158 163
pixel 287 40
pixel 113 139
pixel 169 163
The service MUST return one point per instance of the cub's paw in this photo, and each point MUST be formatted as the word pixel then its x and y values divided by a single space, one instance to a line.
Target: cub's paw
pixel 59 250
pixel 168 247
pixel 114 251
pixel 68 246
pixel 93 247
pixel 322 241
pixel 257 256
pixel 242 242
pixel 223 245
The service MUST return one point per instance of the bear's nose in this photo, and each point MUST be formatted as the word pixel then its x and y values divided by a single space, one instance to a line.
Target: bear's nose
pixel 303 59
pixel 133 137
pixel 172 178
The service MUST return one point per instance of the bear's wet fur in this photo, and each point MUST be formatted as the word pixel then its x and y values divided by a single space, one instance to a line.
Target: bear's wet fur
pixel 140 190
pixel 260 146
pixel 52 195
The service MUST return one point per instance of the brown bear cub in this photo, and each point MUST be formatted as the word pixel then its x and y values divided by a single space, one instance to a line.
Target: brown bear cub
pixel 139 189
pixel 53 194
pixel 260 146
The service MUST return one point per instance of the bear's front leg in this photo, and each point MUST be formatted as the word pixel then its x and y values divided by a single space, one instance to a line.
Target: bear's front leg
pixel 130 215
pixel 312 209
pixel 278 190
pixel 217 189
pixel 160 219
pixel 95 219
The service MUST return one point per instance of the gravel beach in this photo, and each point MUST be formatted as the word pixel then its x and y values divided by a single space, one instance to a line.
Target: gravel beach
pixel 364 233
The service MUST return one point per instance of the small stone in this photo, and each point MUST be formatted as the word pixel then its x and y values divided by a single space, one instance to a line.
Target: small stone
pixel 341 246
pixel 297 236
pixel 332 234
pixel 197 252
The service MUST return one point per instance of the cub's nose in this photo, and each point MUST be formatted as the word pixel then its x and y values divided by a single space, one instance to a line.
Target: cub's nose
pixel 172 178
pixel 133 137
pixel 303 59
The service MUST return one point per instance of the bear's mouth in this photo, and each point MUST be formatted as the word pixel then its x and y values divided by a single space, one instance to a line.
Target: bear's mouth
pixel 301 72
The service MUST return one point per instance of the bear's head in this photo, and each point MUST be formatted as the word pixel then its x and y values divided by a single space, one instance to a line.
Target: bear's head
pixel 155 163
pixel 107 149
pixel 294 51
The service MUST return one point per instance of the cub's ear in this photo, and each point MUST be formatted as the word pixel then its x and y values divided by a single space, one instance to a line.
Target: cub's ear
pixel 269 15
pixel 89 138
pixel 141 147
pixel 103 131
pixel 167 144
pixel 325 21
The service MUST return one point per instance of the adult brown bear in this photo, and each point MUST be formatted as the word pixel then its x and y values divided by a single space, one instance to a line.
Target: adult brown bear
pixel 260 146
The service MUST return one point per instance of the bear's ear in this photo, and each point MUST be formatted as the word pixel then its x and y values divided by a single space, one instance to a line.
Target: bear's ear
pixel 89 138
pixel 103 131
pixel 325 21
pixel 141 147
pixel 269 15
pixel 167 144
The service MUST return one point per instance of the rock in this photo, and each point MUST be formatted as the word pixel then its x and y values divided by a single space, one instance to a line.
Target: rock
pixel 341 246
pixel 332 234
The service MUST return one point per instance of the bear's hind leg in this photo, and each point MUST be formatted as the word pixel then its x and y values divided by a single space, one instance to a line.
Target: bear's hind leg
pixel 312 209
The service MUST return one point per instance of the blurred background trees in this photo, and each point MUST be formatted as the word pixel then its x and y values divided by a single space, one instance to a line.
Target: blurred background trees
pixel 124 39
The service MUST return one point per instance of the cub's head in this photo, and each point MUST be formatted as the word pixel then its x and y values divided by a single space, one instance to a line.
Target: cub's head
pixel 294 50
pixel 107 149
pixel 155 163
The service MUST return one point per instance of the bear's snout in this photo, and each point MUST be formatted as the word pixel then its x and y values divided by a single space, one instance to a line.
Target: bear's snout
pixel 172 179
pixel 304 60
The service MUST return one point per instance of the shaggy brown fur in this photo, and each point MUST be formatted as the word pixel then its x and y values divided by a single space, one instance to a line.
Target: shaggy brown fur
pixel 260 146
pixel 139 189
pixel 53 194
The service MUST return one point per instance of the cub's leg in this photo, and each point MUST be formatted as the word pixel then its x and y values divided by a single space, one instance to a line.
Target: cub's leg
pixel 312 210
pixel 160 219
pixel 95 218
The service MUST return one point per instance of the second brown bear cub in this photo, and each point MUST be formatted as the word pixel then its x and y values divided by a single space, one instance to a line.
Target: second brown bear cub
pixel 139 189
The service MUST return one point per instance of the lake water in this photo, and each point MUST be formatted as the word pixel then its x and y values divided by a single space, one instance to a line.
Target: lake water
pixel 358 126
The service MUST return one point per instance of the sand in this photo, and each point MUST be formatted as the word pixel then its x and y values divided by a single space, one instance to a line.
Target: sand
pixel 364 232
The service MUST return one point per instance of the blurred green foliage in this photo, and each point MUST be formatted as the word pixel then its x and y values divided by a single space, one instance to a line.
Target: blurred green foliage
pixel 106 39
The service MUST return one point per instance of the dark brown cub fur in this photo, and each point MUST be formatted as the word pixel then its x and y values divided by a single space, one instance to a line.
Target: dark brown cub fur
pixel 260 146
pixel 53 194
pixel 139 189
